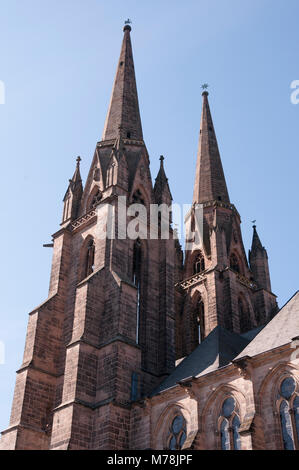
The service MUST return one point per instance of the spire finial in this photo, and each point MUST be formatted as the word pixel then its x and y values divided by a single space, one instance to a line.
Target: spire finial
pixel 162 160
pixel 205 87
pixel 253 222
pixel 127 26
pixel 78 160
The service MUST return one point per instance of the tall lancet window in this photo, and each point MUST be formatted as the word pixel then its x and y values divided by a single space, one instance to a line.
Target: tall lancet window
pixel 200 320
pixel 234 263
pixel 229 426
pixel 89 259
pixel 137 260
pixel 289 414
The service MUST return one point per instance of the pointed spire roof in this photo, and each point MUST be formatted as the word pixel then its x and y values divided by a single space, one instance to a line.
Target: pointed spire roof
pixel 123 117
pixel 77 176
pixel 76 180
pixel 210 182
pixel 256 242
pixel 161 181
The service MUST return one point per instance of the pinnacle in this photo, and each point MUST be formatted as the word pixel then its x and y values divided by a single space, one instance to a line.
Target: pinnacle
pixel 161 180
pixel 77 176
pixel 256 242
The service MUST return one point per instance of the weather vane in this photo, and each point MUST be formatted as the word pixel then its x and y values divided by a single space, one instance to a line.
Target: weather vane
pixel 253 221
pixel 128 21
pixel 205 86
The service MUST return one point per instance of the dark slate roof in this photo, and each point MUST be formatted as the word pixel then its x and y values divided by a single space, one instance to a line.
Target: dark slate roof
pixel 218 349
pixel 221 346
pixel 278 332
pixel 252 333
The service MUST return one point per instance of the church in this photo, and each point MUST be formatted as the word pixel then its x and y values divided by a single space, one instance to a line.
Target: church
pixel 141 344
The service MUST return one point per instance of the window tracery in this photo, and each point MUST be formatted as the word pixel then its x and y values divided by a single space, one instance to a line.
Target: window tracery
pixel 199 264
pixel 229 427
pixel 177 433
pixel 289 413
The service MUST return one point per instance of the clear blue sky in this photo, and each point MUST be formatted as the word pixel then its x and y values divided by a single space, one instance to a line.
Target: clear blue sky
pixel 58 59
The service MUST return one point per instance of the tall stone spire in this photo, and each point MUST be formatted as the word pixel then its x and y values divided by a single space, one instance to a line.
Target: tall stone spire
pixel 258 259
pixel 123 117
pixel 210 182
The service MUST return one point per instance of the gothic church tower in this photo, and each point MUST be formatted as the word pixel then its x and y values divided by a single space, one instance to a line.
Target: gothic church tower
pixel 219 288
pixel 106 334
pixel 122 309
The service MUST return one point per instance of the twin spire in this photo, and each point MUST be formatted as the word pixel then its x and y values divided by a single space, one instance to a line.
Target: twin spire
pixel 123 117
pixel 123 120
pixel 210 182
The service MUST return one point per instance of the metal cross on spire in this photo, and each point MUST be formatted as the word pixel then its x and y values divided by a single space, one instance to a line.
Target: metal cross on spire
pixel 128 21
pixel 78 160
pixel 205 86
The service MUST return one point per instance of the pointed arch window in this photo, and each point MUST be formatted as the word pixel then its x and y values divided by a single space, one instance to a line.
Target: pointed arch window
pixel 229 426
pixel 234 263
pixel 137 260
pixel 177 433
pixel 289 413
pixel 96 199
pixel 199 264
pixel 89 258
pixel 200 318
